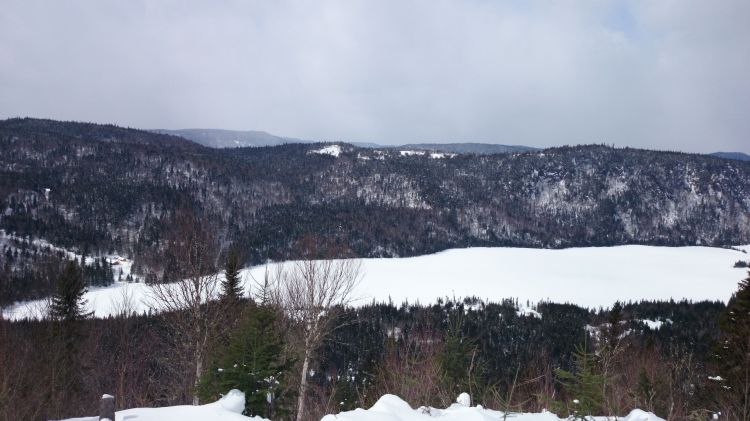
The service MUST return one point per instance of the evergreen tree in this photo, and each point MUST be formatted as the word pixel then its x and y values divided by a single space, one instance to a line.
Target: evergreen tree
pixel 733 351
pixel 231 289
pixel 645 392
pixel 584 386
pixel 458 358
pixel 68 303
pixel 253 362
pixel 68 307
pixel 615 327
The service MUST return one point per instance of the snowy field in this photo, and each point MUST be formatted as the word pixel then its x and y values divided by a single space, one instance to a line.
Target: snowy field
pixel 592 277
pixel 387 408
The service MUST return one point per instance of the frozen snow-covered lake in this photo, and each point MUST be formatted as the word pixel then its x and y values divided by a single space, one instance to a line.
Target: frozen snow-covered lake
pixel 591 276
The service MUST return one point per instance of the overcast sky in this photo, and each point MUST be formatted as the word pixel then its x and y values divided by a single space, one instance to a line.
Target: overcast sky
pixel 655 74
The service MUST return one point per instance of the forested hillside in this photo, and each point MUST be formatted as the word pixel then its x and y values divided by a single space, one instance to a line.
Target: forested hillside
pixel 103 188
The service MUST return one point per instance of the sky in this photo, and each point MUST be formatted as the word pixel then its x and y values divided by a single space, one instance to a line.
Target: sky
pixel 667 74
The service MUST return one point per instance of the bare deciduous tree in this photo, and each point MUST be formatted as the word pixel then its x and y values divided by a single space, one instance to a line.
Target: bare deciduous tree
pixel 310 291
pixel 185 303
pixel 411 368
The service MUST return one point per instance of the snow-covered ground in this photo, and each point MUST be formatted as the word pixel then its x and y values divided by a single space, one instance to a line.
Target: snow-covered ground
pixel 591 276
pixel 392 408
pixel 228 408
pixel 387 408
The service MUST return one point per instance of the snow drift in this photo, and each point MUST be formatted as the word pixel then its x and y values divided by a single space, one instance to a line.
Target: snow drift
pixel 228 408
pixel 393 408
pixel 387 408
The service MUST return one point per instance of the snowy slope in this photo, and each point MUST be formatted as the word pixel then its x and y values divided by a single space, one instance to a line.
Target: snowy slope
pixel 392 408
pixel 594 276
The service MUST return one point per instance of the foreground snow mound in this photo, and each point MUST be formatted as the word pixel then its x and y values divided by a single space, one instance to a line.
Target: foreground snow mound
pixel 393 408
pixel 228 408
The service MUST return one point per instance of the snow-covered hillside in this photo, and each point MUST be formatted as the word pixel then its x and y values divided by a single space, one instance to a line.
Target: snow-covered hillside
pixel 594 276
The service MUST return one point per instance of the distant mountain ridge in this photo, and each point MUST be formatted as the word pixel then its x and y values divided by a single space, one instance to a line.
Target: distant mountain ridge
pixel 220 138
pixel 470 147
pixel 739 156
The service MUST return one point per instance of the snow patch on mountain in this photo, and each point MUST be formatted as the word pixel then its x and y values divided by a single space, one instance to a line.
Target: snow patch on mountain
pixel 442 155
pixel 333 150
pixel 412 153
pixel 655 324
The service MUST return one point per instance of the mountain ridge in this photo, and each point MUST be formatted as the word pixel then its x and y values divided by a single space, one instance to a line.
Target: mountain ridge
pixel 116 188
pixel 739 156
pixel 221 138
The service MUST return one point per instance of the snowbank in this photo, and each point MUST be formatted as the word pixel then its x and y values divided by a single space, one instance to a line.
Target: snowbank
pixel 387 408
pixel 392 408
pixel 228 408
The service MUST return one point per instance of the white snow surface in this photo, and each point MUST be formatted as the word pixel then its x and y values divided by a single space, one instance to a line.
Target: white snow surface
pixel 441 155
pixel 411 153
pixel 590 277
pixel 464 399
pixel 593 276
pixel 387 408
pixel 392 408
pixel 655 324
pixel 228 408
pixel 528 312
pixel 333 150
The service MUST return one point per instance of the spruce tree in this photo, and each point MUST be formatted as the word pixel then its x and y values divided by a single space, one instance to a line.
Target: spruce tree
pixel 68 308
pixel 68 303
pixel 253 361
pixel 614 320
pixel 584 386
pixel 733 352
pixel 458 357
pixel 231 289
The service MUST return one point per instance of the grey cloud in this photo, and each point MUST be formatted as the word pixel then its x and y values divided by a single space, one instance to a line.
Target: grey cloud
pixel 665 75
